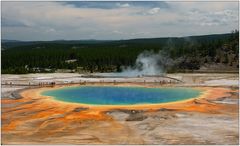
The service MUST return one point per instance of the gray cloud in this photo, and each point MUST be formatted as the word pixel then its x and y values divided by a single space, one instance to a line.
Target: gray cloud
pixel 12 23
pixel 212 18
pixel 115 4
pixel 115 20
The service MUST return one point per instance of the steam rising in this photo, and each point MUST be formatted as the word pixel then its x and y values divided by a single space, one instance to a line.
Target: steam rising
pixel 148 63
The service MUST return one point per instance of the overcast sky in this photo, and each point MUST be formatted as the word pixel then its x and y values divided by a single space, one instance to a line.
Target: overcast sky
pixel 115 20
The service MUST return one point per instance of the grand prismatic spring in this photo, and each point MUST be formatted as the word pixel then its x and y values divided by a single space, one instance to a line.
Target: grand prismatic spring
pixel 99 95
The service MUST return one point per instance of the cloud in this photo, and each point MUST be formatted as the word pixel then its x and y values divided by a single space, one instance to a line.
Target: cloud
pixel 212 18
pixel 150 4
pixel 91 4
pixel 115 20
pixel 153 11
pixel 114 4
pixel 123 5
pixel 12 23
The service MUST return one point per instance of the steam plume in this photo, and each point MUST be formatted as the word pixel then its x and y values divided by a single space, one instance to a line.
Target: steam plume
pixel 149 63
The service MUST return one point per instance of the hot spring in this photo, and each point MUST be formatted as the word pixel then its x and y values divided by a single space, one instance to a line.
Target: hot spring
pixel 106 95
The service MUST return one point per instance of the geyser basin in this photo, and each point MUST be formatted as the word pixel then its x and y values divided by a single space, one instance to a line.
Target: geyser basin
pixel 96 95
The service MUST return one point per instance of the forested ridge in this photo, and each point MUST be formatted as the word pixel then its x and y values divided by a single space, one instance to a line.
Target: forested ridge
pixel 190 53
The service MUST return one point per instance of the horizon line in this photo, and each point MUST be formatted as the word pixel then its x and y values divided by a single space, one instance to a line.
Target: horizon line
pixel 117 39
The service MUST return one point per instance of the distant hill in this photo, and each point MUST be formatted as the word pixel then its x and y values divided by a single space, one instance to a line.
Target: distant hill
pixel 15 43
pixel 9 41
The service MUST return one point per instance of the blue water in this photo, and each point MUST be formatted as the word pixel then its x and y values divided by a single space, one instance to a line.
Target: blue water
pixel 97 95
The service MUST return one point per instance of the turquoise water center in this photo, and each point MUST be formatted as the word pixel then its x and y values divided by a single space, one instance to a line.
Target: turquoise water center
pixel 106 95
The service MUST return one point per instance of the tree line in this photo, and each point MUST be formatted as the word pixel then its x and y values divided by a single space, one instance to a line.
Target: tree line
pixel 110 56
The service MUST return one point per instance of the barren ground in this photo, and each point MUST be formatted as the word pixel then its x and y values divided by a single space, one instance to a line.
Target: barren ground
pixel 33 119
